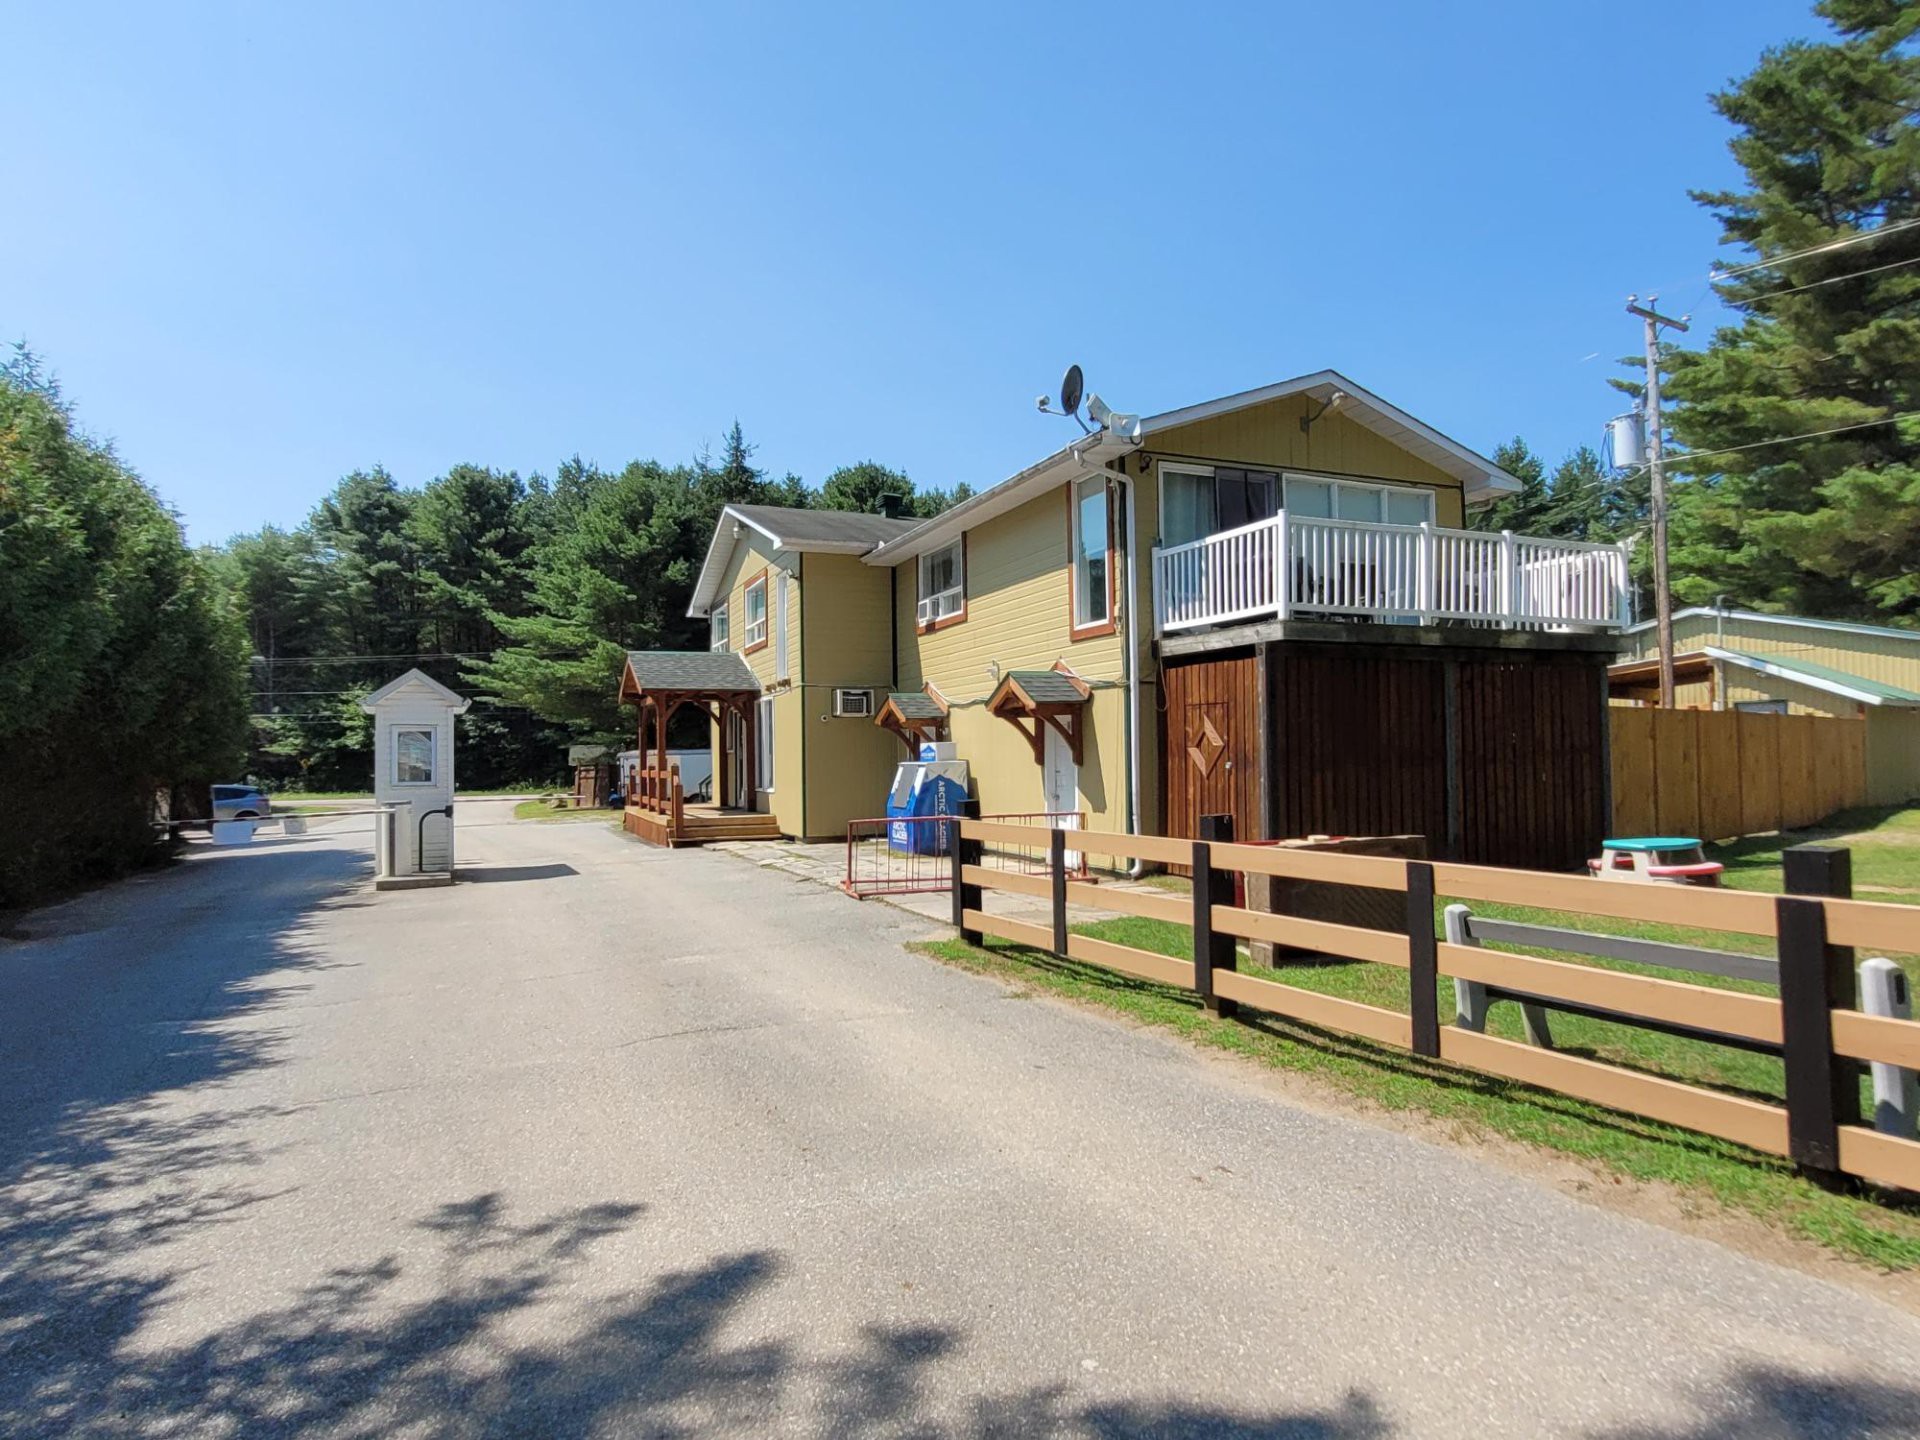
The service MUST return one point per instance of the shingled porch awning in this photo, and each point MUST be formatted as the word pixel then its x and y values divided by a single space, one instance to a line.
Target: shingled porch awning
pixel 1034 701
pixel 915 716
pixel 718 681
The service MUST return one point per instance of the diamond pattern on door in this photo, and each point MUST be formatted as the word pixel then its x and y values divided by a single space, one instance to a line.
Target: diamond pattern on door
pixel 1204 745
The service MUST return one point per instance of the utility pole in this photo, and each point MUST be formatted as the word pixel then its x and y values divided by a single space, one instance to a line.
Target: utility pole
pixel 1656 462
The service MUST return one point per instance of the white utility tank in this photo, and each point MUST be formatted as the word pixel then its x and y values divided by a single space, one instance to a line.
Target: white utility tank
pixel 1626 441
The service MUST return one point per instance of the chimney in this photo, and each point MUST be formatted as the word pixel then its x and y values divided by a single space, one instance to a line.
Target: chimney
pixel 893 505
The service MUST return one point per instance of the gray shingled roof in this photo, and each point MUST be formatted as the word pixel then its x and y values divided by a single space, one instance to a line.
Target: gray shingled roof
pixel 1047 687
pixel 916 705
pixel 690 670
pixel 824 527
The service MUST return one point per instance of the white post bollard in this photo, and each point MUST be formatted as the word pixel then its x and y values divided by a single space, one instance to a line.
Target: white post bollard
pixel 1470 996
pixel 1896 1091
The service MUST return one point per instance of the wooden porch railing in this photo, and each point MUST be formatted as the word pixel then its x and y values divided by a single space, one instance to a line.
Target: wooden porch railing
pixel 659 791
pixel 1414 574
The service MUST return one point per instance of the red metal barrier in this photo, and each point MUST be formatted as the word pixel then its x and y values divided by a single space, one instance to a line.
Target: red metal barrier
pixel 914 854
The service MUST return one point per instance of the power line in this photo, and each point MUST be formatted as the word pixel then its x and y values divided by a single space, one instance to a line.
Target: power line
pixel 1820 249
pixel 1682 456
pixel 357 659
pixel 1789 439
pixel 1830 280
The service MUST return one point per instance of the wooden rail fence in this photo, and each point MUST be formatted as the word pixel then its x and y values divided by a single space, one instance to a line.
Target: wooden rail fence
pixel 1812 1022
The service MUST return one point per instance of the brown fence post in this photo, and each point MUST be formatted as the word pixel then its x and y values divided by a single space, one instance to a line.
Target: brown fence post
pixel 1212 950
pixel 1423 961
pixel 1823 1089
pixel 1057 873
pixel 965 852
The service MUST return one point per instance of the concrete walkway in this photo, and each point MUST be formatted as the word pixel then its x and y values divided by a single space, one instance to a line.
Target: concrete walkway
pixel 622 1142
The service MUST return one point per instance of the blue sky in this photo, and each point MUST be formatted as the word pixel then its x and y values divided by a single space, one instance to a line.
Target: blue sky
pixel 264 245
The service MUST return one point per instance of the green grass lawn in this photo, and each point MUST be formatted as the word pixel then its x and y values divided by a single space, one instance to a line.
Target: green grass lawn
pixel 1886 861
pixel 544 811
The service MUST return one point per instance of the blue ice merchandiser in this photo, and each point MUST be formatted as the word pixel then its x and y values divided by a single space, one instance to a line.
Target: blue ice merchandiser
pixel 935 784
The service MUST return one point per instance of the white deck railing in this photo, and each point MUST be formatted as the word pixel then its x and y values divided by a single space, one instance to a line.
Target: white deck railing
pixel 1416 574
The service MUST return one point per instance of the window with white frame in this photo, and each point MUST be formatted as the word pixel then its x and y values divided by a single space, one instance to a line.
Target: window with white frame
pixel 755 604
pixel 943 584
pixel 1316 499
pixel 1092 554
pixel 717 623
pixel 413 757
pixel 1197 500
pixel 763 744
pixel 1201 500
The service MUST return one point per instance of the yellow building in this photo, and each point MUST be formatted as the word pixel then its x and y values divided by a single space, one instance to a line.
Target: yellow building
pixel 1262 606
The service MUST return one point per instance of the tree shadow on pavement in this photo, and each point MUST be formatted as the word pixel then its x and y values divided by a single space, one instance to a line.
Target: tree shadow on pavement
pixel 441 1345
pixel 114 1012
pixel 1764 1402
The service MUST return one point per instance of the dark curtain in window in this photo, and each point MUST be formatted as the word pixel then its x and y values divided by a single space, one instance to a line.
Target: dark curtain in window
pixel 1244 496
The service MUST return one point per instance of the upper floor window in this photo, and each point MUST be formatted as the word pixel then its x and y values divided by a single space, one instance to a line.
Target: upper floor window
pixel 1353 500
pixel 718 623
pixel 754 602
pixel 943 585
pixel 1092 554
pixel 1196 502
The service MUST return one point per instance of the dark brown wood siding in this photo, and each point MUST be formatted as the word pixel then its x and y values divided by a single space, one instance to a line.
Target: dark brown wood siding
pixel 1210 755
pixel 1359 744
pixel 1364 741
pixel 1533 763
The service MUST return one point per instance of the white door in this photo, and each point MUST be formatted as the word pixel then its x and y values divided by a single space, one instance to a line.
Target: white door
pixel 1060 784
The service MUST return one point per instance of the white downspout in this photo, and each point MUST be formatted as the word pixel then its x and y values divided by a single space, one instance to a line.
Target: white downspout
pixel 1138 867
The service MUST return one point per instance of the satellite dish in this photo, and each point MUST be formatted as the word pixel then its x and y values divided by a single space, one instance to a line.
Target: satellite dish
pixel 1072 386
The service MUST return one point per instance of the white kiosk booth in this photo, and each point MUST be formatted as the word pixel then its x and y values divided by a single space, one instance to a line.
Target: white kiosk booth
pixel 413 778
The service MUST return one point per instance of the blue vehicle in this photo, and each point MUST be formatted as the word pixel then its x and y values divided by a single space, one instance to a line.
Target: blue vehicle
pixel 240 802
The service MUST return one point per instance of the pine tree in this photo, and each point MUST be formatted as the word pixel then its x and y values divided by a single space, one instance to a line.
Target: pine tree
pixel 1522 513
pixel 123 661
pixel 860 487
pixel 1828 138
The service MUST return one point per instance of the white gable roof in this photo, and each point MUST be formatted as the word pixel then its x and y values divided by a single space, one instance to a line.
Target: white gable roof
pixel 424 686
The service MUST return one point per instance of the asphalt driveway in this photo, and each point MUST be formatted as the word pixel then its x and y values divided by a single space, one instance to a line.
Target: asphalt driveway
pixel 621 1142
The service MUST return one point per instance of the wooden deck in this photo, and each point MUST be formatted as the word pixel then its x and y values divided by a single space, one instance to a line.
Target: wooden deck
pixel 699 825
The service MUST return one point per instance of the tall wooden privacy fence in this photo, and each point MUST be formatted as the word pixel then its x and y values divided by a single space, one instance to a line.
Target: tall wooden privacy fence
pixel 1719 773
pixel 1812 1023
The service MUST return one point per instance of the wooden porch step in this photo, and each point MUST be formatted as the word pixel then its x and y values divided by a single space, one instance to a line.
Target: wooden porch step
pixel 743 828
pixel 703 827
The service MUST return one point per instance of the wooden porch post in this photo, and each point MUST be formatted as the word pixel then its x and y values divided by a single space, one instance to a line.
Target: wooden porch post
pixel 640 768
pixel 660 747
